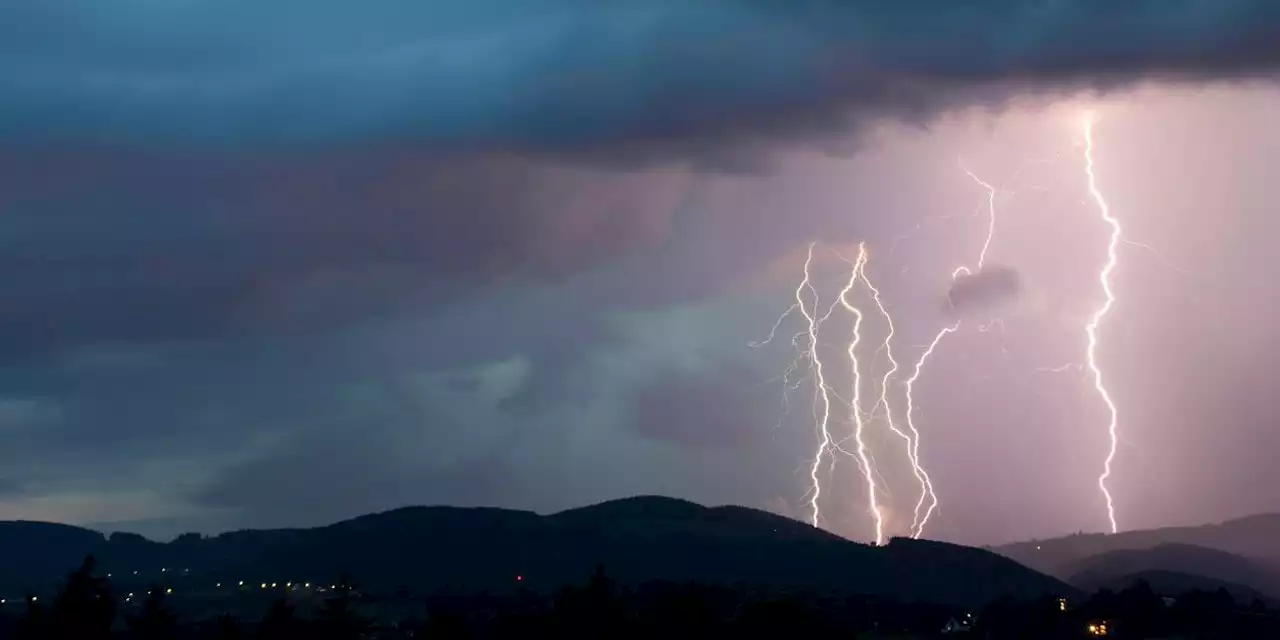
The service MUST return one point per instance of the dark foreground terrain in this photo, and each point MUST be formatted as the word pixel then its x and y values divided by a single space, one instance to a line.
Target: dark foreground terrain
pixel 1240 556
pixel 88 607
pixel 634 568
pixel 425 550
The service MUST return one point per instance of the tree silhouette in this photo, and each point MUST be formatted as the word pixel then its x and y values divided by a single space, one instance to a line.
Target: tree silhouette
pixel 337 618
pixel 1140 611
pixel 593 611
pixel 225 627
pixel 35 623
pixel 83 608
pixel 1041 619
pixel 780 617
pixel 684 608
pixel 156 621
pixel 448 624
pixel 280 623
pixel 1203 612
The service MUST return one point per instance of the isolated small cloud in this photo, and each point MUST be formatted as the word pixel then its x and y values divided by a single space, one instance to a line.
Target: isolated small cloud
pixel 989 288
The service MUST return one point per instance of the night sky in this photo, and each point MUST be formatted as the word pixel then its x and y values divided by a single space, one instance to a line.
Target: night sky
pixel 282 262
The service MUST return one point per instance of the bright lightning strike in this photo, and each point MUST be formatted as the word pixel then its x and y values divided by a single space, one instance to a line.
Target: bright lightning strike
pixel 855 405
pixel 807 343
pixel 926 490
pixel 928 501
pixel 821 391
pixel 1091 329
pixel 912 439
pixel 991 224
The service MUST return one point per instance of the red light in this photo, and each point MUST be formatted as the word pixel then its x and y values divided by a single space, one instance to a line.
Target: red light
pixel 519 578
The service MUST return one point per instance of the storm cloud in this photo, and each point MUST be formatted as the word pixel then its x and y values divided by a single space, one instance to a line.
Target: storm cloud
pixel 512 252
pixel 720 407
pixel 214 245
pixel 640 77
pixel 393 155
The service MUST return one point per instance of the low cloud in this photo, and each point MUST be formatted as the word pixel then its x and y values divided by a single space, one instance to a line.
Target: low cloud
pixel 991 287
pixel 713 408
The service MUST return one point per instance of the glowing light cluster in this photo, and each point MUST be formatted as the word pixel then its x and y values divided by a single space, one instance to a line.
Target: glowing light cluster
pixel 807 344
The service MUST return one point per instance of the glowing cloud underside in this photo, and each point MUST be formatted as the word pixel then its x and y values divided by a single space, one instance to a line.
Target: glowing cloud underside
pixel 1091 329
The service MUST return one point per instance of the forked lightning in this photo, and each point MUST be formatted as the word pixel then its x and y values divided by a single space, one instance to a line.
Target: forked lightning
pixel 807 343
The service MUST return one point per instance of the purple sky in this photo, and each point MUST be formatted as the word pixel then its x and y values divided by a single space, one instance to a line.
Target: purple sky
pixel 514 254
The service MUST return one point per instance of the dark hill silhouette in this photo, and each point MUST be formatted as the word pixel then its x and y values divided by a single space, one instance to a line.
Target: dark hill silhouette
pixel 1208 565
pixel 427 549
pixel 1252 537
pixel 30 550
pixel 652 515
pixel 1175 584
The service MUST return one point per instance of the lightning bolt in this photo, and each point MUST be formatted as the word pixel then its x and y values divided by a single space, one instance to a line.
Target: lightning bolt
pixel 855 404
pixel 806 343
pixel 926 490
pixel 911 439
pixel 991 224
pixel 928 500
pixel 822 393
pixel 1091 329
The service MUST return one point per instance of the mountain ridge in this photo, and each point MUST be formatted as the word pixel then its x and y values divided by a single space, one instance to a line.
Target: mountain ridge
pixel 1238 555
pixel 638 539
pixel 1253 536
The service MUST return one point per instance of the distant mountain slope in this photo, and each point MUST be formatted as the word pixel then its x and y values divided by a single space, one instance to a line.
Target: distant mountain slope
pixel 1252 537
pixel 636 539
pixel 33 549
pixel 1210 565
pixel 1173 584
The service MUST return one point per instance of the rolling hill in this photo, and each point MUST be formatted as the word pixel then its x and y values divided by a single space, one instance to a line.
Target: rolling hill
pixel 1180 562
pixel 1251 537
pixel 425 549
pixel 1173 583
pixel 1237 555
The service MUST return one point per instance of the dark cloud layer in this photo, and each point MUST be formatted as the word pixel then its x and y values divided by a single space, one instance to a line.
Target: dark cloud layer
pixel 347 256
pixel 566 74
pixel 173 247
pixel 325 475
pixel 160 178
